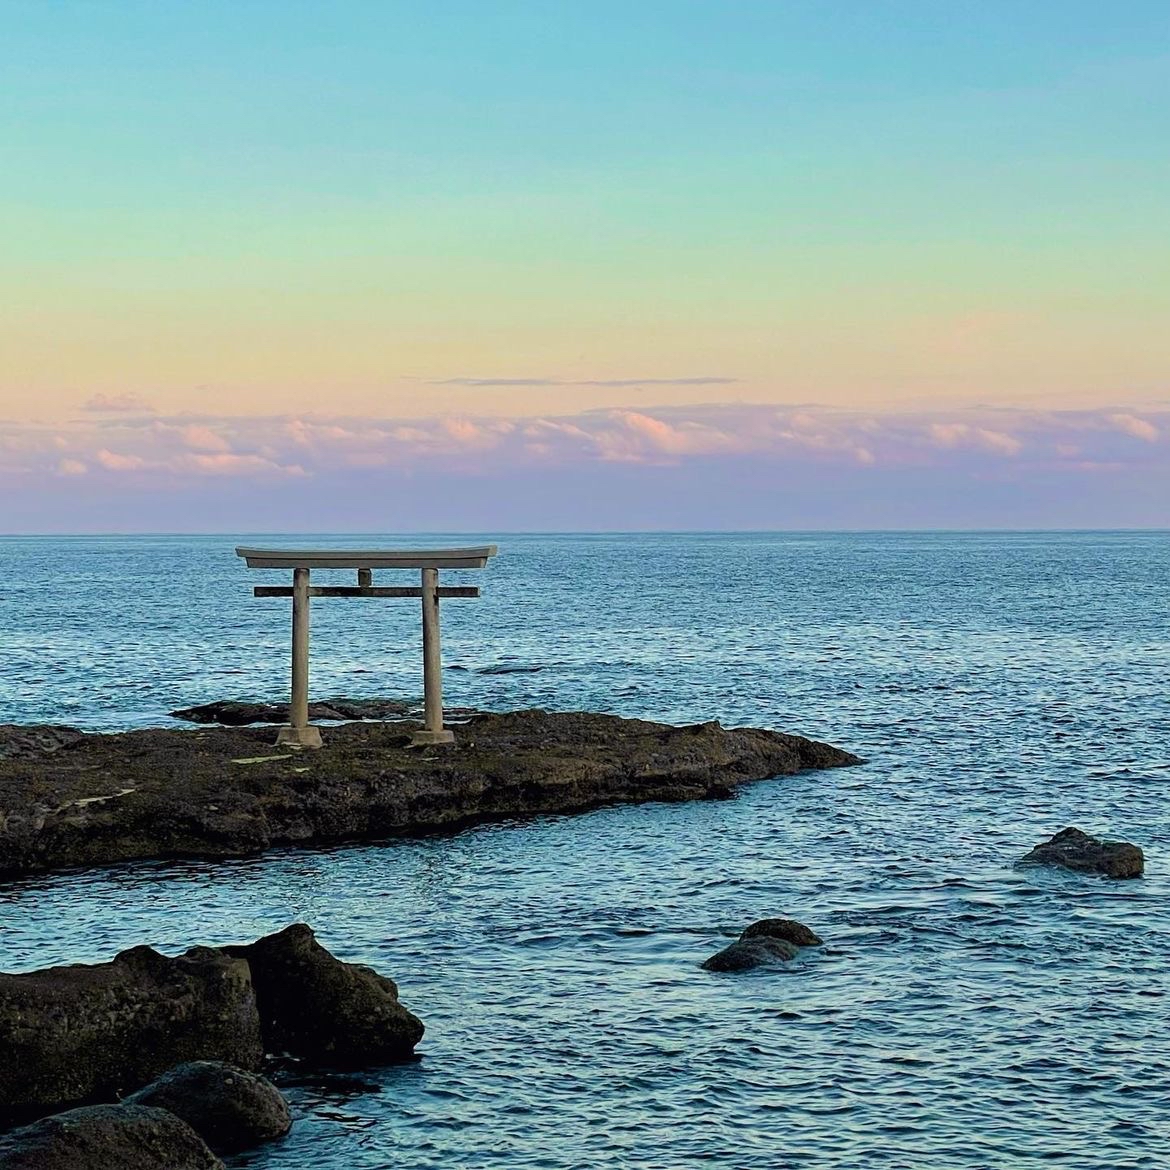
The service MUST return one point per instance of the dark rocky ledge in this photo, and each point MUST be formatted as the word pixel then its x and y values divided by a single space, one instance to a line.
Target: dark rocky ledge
pixel 71 799
pixel 234 713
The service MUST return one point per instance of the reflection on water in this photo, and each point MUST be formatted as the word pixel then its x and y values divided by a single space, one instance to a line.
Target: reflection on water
pixel 962 1014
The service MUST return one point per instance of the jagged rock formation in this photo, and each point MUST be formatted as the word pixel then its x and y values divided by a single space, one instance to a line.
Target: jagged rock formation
pixel 77 1034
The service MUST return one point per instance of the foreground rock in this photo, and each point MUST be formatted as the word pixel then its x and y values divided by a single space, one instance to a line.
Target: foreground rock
pixel 107 1137
pixel 314 1006
pixel 81 1033
pixel 1074 849
pixel 76 1034
pixel 230 1108
pixel 219 792
pixel 769 941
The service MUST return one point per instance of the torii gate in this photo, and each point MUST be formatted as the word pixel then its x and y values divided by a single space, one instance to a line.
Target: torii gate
pixel 302 561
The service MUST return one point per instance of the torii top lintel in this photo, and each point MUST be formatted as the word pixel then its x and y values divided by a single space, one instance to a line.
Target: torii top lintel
pixel 371 558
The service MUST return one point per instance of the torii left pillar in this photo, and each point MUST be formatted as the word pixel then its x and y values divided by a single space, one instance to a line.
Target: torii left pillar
pixel 298 732
pixel 432 730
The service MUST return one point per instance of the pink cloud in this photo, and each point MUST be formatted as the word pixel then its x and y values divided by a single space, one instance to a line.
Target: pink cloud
pixel 203 438
pixel 1139 428
pixel 966 442
pixel 957 434
pixel 948 434
pixel 759 465
pixel 112 461
pixel 117 404
pixel 997 441
pixel 688 437
pixel 225 464
pixel 465 433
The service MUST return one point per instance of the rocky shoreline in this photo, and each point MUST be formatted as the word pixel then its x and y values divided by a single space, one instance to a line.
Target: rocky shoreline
pixel 68 798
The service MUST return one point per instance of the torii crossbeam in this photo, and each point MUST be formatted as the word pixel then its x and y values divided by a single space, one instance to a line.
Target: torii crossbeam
pixel 303 561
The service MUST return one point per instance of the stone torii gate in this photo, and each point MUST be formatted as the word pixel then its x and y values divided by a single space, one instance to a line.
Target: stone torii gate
pixel 303 561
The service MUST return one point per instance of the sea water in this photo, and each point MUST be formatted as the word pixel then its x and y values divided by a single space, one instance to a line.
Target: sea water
pixel 963 1013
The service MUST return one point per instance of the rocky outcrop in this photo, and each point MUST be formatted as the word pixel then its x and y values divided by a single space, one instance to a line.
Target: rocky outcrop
pixel 766 942
pixel 1074 849
pixel 81 1033
pixel 314 1006
pixel 107 1137
pixel 230 1108
pixel 217 792
pixel 232 713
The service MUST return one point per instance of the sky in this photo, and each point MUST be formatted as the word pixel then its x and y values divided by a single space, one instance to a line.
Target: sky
pixel 494 265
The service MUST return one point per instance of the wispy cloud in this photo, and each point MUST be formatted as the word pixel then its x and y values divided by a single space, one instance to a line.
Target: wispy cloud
pixel 621 382
pixel 117 404
pixel 497 382
pixel 617 383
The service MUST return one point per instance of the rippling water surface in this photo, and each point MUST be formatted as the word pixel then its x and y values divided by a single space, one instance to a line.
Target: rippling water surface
pixel 963 1013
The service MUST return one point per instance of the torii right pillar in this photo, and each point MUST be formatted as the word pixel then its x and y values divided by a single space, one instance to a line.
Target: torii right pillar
pixel 432 730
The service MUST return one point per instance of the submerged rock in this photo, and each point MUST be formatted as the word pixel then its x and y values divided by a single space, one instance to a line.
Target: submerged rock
pixel 230 1108
pixel 744 954
pixel 218 791
pixel 786 929
pixel 1074 849
pixel 78 1033
pixel 107 1137
pixel 768 941
pixel 313 1005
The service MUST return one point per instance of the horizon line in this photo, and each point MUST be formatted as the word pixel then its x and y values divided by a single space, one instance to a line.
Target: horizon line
pixel 411 532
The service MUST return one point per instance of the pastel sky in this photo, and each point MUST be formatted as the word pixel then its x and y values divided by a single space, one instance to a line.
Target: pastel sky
pixel 276 264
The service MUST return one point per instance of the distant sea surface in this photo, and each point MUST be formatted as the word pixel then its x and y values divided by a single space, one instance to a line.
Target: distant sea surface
pixel 963 1013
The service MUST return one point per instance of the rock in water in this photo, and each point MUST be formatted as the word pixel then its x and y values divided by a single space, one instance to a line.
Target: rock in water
pixel 1076 850
pixel 315 1006
pixel 744 954
pixel 787 929
pixel 77 1033
pixel 229 1108
pixel 768 941
pixel 107 1137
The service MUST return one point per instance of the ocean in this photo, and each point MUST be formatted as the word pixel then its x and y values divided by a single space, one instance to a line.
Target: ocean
pixel 963 1013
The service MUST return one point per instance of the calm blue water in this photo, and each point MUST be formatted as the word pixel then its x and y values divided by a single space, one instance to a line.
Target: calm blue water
pixel 964 1014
